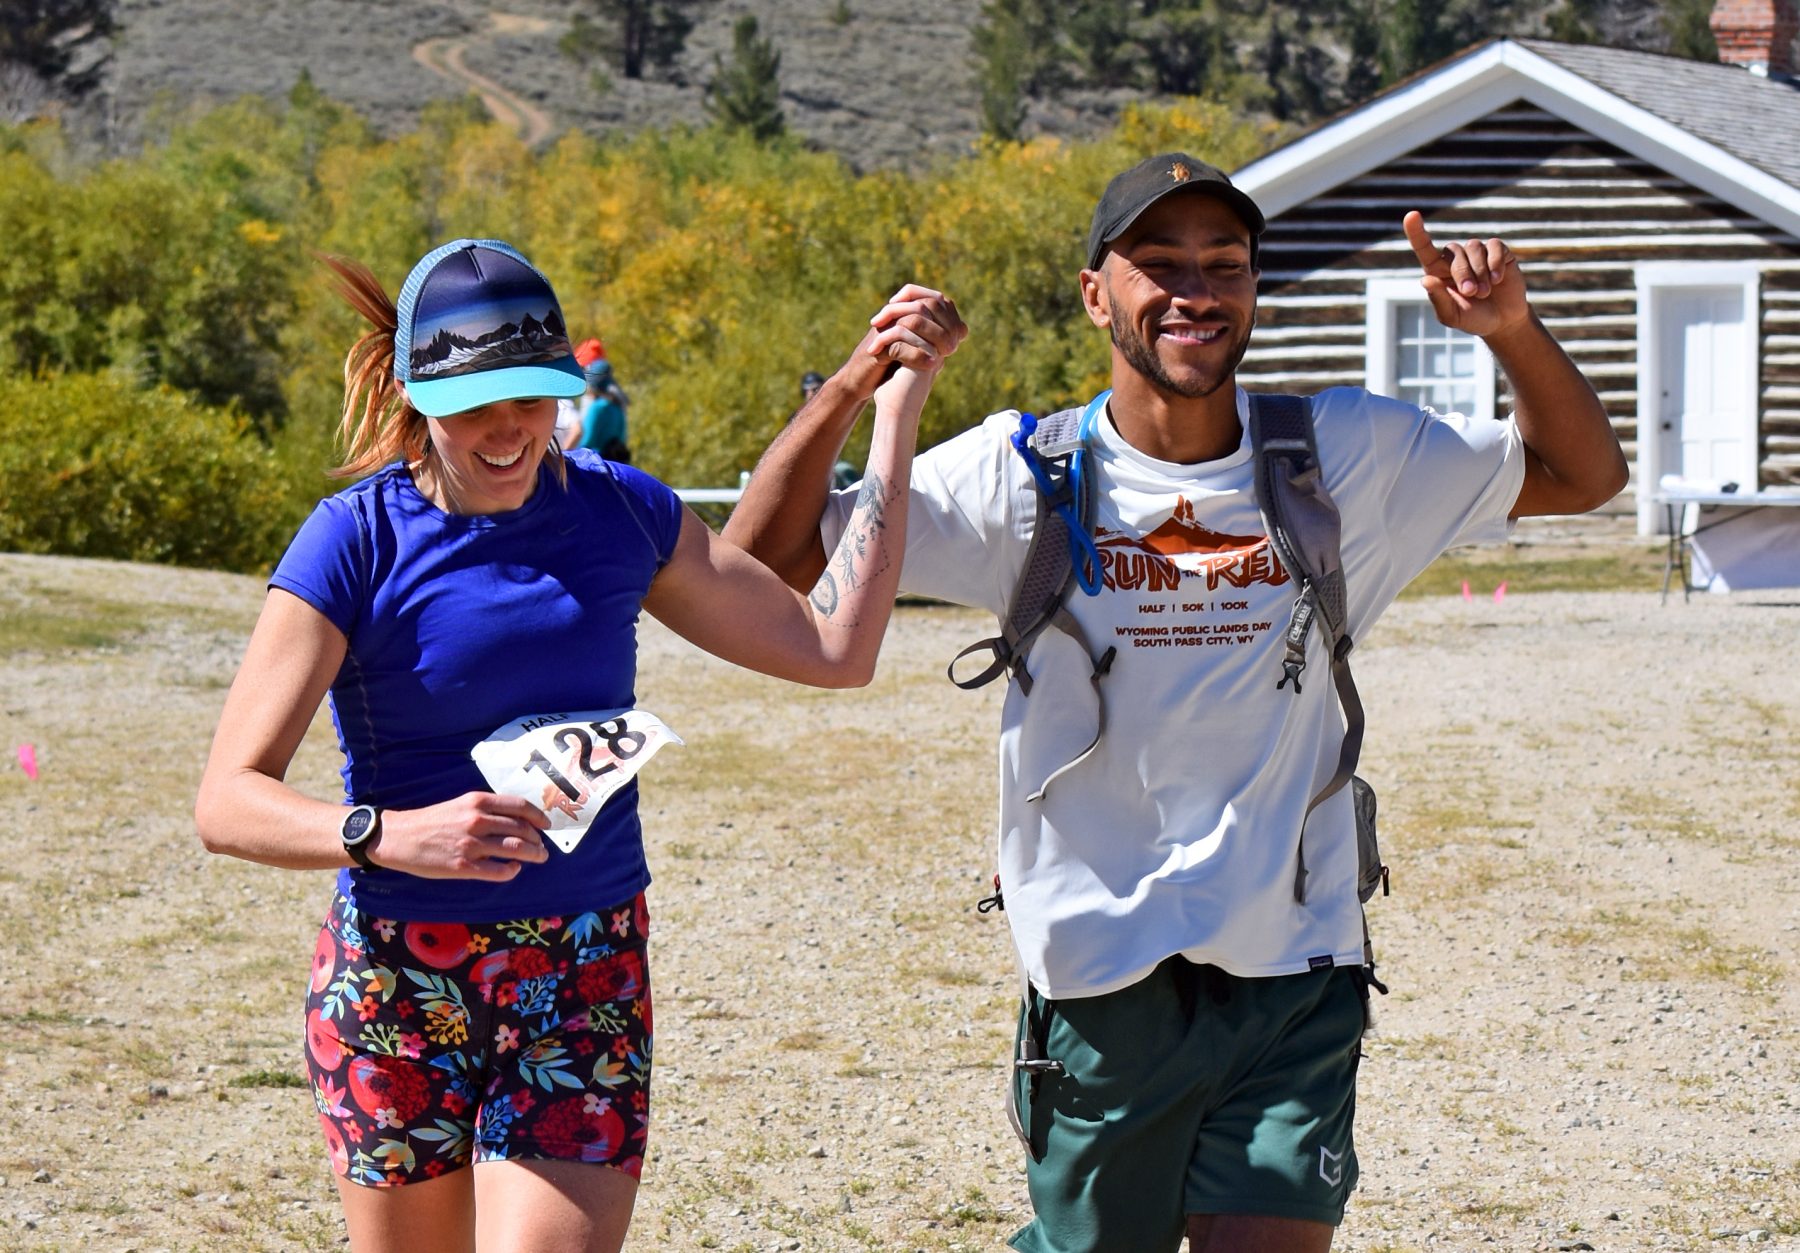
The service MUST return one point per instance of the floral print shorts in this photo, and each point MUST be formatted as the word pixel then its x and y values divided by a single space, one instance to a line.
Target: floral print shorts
pixel 434 1044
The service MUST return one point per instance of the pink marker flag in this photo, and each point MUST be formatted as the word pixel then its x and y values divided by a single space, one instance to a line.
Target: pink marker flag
pixel 1466 595
pixel 1500 592
pixel 28 761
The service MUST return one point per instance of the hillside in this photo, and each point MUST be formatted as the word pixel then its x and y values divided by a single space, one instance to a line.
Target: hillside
pixel 883 87
pixel 879 84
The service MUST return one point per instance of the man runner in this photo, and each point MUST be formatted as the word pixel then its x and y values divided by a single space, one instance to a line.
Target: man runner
pixel 1205 1017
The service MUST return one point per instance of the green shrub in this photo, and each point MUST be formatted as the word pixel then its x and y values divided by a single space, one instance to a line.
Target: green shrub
pixel 92 467
pixel 717 269
pixel 129 268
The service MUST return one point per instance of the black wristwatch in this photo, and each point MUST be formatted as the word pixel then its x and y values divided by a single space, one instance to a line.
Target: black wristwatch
pixel 360 830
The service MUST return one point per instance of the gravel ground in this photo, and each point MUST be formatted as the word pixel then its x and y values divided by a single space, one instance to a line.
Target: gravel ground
pixel 1591 803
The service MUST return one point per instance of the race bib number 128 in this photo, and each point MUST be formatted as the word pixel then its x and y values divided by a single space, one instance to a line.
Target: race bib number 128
pixel 570 764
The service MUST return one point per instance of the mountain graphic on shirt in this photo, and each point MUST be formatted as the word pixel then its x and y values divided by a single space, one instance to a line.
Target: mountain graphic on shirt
pixel 1181 534
pixel 1182 546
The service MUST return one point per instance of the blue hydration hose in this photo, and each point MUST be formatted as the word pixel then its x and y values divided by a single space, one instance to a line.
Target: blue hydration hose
pixel 1082 554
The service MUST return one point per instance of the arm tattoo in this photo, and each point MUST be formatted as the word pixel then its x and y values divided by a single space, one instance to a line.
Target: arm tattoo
pixel 854 549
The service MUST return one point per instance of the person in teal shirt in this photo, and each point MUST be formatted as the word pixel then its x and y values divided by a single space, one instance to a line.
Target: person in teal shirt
pixel 603 414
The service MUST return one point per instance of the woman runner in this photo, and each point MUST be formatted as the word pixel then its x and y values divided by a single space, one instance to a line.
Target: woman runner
pixel 479 995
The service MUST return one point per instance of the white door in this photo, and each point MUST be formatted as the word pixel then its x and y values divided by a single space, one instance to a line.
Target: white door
pixel 1706 410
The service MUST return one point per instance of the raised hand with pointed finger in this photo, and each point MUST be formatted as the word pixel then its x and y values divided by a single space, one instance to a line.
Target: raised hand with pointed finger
pixel 1474 286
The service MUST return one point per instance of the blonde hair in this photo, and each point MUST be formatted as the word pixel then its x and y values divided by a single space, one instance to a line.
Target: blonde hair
pixel 379 424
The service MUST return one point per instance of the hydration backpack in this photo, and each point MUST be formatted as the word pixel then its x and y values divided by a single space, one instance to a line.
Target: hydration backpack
pixel 1304 529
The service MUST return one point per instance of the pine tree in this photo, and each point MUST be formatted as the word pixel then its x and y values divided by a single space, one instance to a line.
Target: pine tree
pixel 1414 35
pixel 746 93
pixel 1571 22
pixel 1689 34
pixel 1188 48
pixel 1362 44
pixel 1100 31
pixel 311 115
pixel 1020 53
pixel 63 43
pixel 637 35
pixel 1001 53
pixel 1301 70
pixel 1277 61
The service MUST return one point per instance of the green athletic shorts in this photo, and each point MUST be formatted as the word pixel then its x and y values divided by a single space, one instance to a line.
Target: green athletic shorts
pixel 1191 1092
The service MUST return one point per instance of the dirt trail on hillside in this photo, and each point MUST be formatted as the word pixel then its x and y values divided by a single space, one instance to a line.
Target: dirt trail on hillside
pixel 446 55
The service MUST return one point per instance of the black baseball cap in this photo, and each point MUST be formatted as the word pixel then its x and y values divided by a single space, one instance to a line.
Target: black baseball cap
pixel 1147 182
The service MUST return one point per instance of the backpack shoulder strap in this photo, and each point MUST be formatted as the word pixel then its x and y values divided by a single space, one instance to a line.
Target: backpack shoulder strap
pixel 1061 553
pixel 1306 531
pixel 1065 509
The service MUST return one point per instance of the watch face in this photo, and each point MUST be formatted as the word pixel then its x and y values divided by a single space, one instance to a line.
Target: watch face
pixel 357 824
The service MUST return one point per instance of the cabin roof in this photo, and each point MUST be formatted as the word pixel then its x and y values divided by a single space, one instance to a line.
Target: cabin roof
pixel 1719 127
pixel 1754 118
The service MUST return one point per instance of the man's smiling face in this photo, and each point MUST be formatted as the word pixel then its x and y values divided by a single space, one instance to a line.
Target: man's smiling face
pixel 1178 294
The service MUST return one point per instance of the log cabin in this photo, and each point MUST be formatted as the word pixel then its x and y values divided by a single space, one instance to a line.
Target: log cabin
pixel 1654 201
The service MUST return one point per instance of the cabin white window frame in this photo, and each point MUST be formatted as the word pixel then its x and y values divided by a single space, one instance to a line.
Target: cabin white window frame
pixel 1657 276
pixel 1384 297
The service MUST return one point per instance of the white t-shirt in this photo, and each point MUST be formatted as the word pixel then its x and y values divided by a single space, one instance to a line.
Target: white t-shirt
pixel 568 415
pixel 1180 832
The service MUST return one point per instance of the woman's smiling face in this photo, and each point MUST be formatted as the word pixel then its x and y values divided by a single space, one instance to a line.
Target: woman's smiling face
pixel 487 459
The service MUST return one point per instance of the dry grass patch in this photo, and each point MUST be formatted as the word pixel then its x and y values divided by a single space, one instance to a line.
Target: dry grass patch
pixel 1629 568
pixel 1429 1047
pixel 1661 949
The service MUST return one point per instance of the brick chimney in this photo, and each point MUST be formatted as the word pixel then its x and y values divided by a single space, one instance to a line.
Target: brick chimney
pixel 1757 34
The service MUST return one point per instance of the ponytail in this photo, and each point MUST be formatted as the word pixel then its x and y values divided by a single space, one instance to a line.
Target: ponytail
pixel 378 424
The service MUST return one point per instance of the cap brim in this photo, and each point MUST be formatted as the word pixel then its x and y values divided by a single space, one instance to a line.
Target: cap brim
pixel 1247 210
pixel 441 398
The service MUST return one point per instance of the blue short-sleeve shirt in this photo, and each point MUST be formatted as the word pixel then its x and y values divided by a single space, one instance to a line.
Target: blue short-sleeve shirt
pixel 458 624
